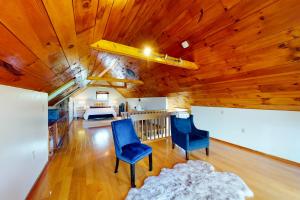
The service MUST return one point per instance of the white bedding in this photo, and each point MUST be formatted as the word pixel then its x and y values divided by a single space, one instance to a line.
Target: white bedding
pixel 99 111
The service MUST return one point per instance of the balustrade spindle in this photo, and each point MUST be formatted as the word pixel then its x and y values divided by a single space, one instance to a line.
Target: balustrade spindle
pixel 150 125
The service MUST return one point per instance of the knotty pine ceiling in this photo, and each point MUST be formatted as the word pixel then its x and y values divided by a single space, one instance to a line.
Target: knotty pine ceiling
pixel 248 51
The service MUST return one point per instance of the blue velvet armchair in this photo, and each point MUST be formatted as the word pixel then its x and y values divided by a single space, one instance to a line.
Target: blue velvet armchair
pixel 128 147
pixel 187 136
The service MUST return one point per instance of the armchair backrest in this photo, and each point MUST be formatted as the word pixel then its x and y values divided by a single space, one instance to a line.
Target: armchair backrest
pixel 123 134
pixel 182 125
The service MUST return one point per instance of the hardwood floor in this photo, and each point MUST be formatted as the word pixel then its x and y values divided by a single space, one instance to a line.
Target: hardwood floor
pixel 84 168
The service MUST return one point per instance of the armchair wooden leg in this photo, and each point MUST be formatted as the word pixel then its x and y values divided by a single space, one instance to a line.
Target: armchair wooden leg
pixel 117 165
pixel 173 145
pixel 150 162
pixel 132 173
pixel 186 155
pixel 207 151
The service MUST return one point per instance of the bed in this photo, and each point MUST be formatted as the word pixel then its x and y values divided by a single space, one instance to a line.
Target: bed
pixel 99 112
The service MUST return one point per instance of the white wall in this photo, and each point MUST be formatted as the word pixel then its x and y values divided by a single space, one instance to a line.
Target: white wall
pixel 151 103
pixel 88 96
pixel 23 140
pixel 272 132
pixel 71 109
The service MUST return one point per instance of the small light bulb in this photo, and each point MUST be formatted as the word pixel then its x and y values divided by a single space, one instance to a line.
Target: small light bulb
pixel 147 51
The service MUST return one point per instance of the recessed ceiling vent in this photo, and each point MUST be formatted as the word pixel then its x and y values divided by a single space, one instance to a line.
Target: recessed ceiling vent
pixel 130 73
pixel 10 68
pixel 185 44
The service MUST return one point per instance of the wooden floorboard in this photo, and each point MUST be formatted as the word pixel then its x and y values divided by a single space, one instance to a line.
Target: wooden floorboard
pixel 83 168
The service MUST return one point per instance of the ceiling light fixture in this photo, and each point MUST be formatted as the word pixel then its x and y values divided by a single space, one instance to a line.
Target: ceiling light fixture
pixel 147 51
pixel 185 44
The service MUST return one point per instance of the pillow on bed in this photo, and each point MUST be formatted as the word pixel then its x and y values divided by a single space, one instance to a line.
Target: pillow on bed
pixel 100 106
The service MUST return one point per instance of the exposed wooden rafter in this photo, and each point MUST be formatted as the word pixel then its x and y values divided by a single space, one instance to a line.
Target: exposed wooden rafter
pixel 68 95
pixel 109 86
pixel 96 78
pixel 108 68
pixel 61 89
pixel 120 49
pixel 233 43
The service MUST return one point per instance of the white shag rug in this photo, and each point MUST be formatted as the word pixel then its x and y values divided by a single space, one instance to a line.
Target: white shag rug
pixel 194 180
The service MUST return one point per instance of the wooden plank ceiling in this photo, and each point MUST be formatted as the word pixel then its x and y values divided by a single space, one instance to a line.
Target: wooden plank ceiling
pixel 248 51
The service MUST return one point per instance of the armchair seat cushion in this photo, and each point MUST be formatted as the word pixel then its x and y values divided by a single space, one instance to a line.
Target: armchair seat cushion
pixel 131 153
pixel 197 142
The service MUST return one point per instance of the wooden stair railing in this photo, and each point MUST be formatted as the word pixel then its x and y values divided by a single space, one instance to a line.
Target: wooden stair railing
pixel 126 115
pixel 151 125
pixel 56 132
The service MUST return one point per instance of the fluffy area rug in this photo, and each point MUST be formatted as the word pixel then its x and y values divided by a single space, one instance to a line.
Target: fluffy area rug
pixel 194 180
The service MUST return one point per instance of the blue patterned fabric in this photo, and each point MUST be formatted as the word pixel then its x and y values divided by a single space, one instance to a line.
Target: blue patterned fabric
pixel 186 135
pixel 128 147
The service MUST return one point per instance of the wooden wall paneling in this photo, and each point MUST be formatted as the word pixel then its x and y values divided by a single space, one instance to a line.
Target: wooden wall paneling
pixel 129 16
pixel 151 15
pixel 40 69
pixel 103 13
pixel 247 82
pixel 261 45
pixel 229 3
pixel 238 74
pixel 21 58
pixel 88 17
pixel 13 51
pixel 222 23
pixel 62 19
pixel 184 102
pixel 84 39
pixel 243 9
pixel 26 81
pixel 96 65
pixel 122 20
pixel 26 23
pixel 85 14
pixel 137 32
pixel 247 51
pixel 196 18
pixel 259 25
pixel 264 63
pixel 92 60
pixel 114 19
pixel 7 77
pixel 84 61
pixel 85 19
pixel 161 20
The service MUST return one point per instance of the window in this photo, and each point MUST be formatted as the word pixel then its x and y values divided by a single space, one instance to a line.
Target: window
pixel 102 96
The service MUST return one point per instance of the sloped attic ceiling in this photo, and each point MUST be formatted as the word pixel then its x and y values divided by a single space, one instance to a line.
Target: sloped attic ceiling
pixel 248 51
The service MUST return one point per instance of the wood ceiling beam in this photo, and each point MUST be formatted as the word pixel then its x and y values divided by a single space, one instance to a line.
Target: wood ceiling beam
pixel 120 49
pixel 108 68
pixel 67 96
pixel 109 86
pixel 96 78
pixel 61 89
